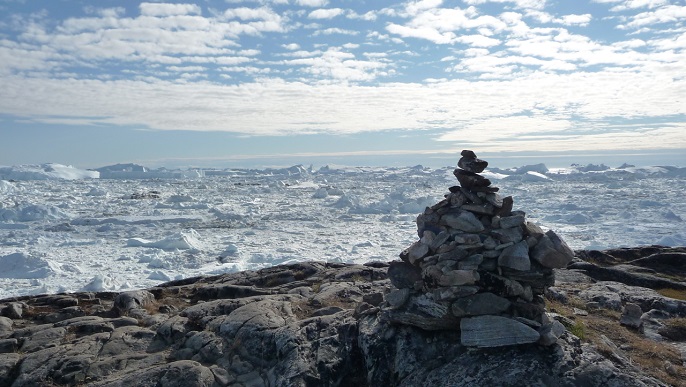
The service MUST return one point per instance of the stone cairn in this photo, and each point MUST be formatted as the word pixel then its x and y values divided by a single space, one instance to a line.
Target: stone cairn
pixel 479 267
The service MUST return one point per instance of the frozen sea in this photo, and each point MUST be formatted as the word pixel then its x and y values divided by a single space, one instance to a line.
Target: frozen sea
pixel 63 229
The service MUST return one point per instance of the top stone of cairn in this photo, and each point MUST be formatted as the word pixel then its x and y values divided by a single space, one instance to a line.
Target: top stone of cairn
pixel 470 163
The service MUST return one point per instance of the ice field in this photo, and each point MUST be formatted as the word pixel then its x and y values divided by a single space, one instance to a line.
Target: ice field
pixel 63 229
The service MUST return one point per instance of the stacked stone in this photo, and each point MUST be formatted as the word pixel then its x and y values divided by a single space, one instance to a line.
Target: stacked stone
pixel 479 266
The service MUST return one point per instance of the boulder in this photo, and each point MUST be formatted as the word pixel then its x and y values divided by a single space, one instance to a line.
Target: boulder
pixel 631 316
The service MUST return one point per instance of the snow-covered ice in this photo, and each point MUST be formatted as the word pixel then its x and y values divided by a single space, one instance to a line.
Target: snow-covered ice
pixel 65 229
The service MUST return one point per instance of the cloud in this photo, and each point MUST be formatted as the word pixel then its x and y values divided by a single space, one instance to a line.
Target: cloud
pixel 520 76
pixel 580 20
pixel 322 13
pixel 441 25
pixel 312 3
pixel 537 102
pixel 161 9
pixel 339 65
pixel 505 129
pixel 634 4
pixel 334 30
pixel 670 13
pixel 522 4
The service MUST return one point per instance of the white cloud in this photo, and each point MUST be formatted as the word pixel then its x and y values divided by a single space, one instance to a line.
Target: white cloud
pixel 244 13
pixel 533 4
pixel 478 40
pixel 634 4
pixel 580 20
pixel 439 25
pixel 505 128
pixel 334 30
pixel 312 3
pixel 291 46
pixel 671 13
pixel 340 65
pixel 328 13
pixel 416 7
pixel 367 16
pixel 164 9
pixel 427 33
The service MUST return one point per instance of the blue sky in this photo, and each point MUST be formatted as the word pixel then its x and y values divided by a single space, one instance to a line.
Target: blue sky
pixel 278 82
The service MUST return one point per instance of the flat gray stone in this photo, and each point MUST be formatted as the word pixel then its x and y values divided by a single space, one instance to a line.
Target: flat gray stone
pixel 458 278
pixel 417 251
pixel 450 293
pixel 463 221
pixel 471 263
pixel 480 304
pixel 505 235
pixel 495 331
pixel 511 221
pixel 516 257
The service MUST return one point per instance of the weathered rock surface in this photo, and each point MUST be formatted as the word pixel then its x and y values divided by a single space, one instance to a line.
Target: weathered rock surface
pixel 307 324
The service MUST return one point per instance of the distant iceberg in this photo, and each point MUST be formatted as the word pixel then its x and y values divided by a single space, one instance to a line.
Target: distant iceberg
pixel 49 171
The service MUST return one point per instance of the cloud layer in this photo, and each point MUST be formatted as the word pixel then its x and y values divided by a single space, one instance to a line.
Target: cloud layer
pixel 503 74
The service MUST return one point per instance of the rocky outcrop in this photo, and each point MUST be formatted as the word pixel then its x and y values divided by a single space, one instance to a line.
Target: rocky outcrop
pixel 308 324
pixel 479 267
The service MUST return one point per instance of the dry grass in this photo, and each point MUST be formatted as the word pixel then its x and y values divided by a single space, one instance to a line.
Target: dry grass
pixel 657 359
pixel 679 294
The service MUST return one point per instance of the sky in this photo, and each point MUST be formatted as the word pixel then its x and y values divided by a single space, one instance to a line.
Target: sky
pixel 218 83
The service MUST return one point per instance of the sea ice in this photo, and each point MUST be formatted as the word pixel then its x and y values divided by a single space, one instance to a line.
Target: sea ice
pixel 21 265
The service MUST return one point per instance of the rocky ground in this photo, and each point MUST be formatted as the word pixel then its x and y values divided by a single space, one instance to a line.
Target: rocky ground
pixel 320 324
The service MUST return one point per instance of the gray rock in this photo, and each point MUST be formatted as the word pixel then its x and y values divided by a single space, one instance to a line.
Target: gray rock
pixel 417 251
pixel 8 362
pixel 480 304
pixel 467 239
pixel 490 243
pixel 65 314
pixel 551 332
pixel 552 252
pixel 439 240
pixel 495 331
pixel 471 263
pixel 42 339
pixel 452 293
pixel 397 298
pixel 515 257
pixel 403 274
pixel 5 325
pixel 511 221
pixel 469 162
pixel 176 374
pixel 458 278
pixel 463 221
pixel 8 345
pixel 124 302
pixel 631 316
pixel 532 229
pixel 506 235
pixel 479 209
pixel 13 310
